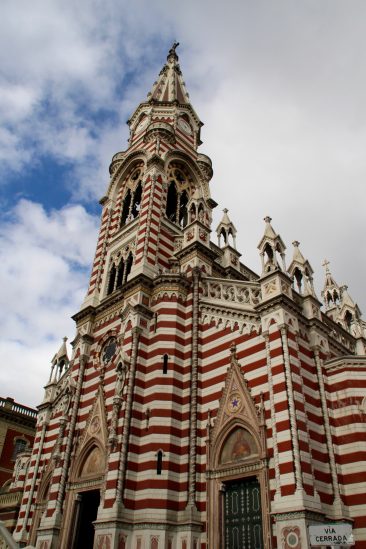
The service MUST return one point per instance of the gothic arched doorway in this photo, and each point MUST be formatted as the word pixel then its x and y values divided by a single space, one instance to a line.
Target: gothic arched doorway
pixel 84 498
pixel 237 492
pixel 86 510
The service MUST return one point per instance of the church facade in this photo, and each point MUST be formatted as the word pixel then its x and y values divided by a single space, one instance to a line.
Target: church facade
pixel 204 406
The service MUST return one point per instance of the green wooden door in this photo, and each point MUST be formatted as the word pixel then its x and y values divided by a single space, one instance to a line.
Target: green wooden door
pixel 243 515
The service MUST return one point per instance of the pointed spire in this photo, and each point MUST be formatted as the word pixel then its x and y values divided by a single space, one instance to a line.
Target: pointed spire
pixel 226 228
pixel 268 230
pixel 270 244
pixel 61 353
pixel 170 86
pixel 298 257
pixel 346 298
pixel 300 270
pixel 350 316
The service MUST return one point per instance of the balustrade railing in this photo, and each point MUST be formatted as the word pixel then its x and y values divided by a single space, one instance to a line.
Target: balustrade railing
pixel 241 293
pixel 11 406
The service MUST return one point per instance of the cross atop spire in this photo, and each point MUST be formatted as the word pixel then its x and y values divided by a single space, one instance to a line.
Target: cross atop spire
pixel 326 265
pixel 172 50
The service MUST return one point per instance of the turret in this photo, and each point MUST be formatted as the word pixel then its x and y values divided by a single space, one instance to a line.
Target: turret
pixel 342 309
pixel 302 276
pixel 270 246
pixel 60 362
pixel 301 272
pixel 331 292
pixel 350 314
pixel 274 279
pixel 59 365
pixel 226 234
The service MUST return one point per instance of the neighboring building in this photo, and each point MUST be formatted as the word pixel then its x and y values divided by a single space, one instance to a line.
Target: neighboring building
pixel 17 430
pixel 204 405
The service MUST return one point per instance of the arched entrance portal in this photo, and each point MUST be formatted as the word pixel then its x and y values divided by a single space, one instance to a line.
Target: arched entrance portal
pixel 84 497
pixel 237 490
pixel 238 513
pixel 86 509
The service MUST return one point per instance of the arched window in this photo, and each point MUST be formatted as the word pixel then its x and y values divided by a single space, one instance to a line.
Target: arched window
pixel 165 364
pixel 133 196
pixel 20 445
pixel 348 318
pixel 180 189
pixel 118 275
pixel 120 272
pixel 224 235
pixel 270 266
pixel 298 278
pixel 136 203
pixel 61 367
pixel 126 208
pixel 171 203
pixel 183 213
pixel 192 213
pixel 112 279
pixel 159 462
pixel 128 266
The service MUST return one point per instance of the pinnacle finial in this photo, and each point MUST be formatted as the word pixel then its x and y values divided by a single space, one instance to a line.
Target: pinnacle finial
pixel 267 219
pixel 233 349
pixel 173 48
pixel 296 243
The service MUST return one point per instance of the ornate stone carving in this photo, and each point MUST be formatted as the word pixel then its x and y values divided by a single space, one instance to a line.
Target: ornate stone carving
pixel 236 292
pixel 290 537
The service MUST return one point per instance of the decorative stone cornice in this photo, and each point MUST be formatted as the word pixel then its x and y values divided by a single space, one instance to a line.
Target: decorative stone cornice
pixel 237 470
pixel 343 361
pixel 85 483
pixel 89 311
pixel 294 515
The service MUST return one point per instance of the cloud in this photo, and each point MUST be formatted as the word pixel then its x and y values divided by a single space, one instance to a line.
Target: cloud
pixel 45 260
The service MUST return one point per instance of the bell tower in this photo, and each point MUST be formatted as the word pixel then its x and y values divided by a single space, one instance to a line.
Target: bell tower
pixel 153 190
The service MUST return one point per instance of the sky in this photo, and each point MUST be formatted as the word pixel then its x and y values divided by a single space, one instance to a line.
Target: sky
pixel 280 86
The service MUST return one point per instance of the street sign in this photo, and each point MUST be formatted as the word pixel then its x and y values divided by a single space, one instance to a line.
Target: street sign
pixel 333 534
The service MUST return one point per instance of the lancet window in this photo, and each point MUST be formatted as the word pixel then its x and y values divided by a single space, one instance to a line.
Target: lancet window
pixel 20 444
pixel 225 234
pixel 131 202
pixel 331 297
pixel 159 462
pixel 179 185
pixel 348 319
pixel 118 273
pixel 165 364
